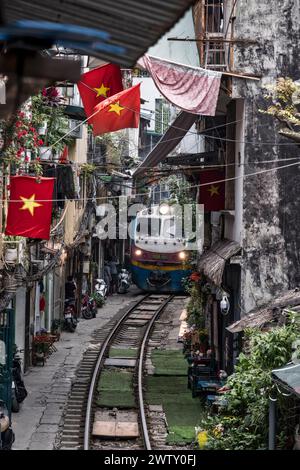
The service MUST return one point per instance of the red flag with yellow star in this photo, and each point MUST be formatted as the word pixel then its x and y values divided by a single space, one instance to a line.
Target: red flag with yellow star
pixel 30 207
pixel 212 190
pixel 120 111
pixel 98 84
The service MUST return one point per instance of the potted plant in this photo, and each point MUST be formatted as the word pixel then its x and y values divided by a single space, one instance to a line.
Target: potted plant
pixel 42 129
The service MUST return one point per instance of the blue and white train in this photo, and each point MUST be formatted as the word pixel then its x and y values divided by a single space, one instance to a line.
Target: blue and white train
pixel 159 258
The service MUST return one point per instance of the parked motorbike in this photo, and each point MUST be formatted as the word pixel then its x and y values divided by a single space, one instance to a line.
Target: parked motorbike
pixel 124 281
pixel 101 292
pixel 88 307
pixel 19 392
pixel 7 436
pixel 70 322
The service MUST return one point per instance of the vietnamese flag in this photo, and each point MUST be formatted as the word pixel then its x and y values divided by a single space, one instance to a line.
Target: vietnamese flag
pixel 212 193
pixel 98 84
pixel 30 207
pixel 120 111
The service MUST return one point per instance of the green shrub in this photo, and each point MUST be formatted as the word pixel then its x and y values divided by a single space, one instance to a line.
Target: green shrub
pixel 244 423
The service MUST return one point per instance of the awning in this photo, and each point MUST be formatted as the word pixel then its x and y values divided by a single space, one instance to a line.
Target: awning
pixel 288 377
pixel 75 112
pixel 212 262
pixel 132 24
pixel 168 142
pixel 260 317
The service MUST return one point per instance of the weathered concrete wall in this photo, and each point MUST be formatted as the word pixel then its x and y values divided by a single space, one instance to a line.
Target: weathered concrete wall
pixel 271 201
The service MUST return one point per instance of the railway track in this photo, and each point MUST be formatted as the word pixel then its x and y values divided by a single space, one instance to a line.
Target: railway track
pixel 132 331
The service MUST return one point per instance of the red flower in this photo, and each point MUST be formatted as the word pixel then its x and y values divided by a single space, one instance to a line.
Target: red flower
pixel 19 134
pixel 26 159
pixel 19 153
pixel 38 159
pixel 53 91
pixel 40 142
pixel 32 129
pixel 18 124
pixel 21 114
pixel 195 277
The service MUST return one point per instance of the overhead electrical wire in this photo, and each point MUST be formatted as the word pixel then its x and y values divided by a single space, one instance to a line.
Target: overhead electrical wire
pixel 244 176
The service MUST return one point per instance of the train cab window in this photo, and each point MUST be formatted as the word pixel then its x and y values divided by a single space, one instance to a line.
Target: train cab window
pixel 171 229
pixel 149 226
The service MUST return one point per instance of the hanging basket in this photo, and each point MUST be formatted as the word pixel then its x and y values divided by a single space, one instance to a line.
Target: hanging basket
pixel 45 153
pixel 11 255
pixel 42 129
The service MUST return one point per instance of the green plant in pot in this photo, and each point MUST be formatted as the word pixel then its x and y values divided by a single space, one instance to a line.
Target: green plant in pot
pixel 98 299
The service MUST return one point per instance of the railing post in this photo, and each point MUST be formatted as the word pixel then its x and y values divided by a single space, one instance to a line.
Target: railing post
pixel 272 423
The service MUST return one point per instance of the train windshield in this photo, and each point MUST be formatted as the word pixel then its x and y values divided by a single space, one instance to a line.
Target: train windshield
pixel 149 227
pixel 171 228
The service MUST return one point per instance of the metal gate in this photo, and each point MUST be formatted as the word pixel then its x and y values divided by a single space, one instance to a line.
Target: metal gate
pixel 7 329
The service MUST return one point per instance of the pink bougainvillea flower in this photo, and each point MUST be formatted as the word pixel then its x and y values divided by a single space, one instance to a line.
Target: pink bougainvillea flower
pixel 26 159
pixel 40 142
pixel 18 124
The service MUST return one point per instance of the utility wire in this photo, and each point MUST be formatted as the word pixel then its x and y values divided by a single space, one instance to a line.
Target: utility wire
pixel 247 175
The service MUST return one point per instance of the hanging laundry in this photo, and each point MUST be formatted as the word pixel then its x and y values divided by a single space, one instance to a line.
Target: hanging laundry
pixel 192 89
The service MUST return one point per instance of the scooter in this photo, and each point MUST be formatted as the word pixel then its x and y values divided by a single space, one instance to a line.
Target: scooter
pixel 88 308
pixel 7 437
pixel 19 392
pixel 70 322
pixel 124 281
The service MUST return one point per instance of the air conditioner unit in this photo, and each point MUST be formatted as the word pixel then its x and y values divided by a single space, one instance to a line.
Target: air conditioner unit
pixel 76 133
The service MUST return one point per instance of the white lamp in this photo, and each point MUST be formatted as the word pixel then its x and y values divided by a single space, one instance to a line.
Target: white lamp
pixel 224 304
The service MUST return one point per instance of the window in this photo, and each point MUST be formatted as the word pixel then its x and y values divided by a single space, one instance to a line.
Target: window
pixel 162 115
pixel 172 228
pixel 214 16
pixel 148 227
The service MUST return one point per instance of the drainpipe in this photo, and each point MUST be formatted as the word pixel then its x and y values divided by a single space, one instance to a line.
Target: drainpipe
pixel 272 423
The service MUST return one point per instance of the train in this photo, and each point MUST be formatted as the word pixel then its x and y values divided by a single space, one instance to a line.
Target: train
pixel 159 255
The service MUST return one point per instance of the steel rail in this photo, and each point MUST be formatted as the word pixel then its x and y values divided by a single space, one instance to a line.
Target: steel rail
pixel 96 373
pixel 140 373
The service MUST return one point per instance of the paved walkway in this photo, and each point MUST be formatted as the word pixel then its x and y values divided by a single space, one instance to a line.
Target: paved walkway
pixel 37 423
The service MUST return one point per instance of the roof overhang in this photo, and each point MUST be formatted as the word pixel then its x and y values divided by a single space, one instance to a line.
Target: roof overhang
pixel 133 24
pixel 260 317
pixel 212 262
pixel 288 377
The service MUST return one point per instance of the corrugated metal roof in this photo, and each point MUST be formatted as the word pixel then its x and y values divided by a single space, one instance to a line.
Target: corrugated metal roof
pixel 168 142
pixel 288 377
pixel 134 24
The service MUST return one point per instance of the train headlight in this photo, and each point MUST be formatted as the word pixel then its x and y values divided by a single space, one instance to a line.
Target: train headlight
pixel 164 209
pixel 182 255
pixel 138 252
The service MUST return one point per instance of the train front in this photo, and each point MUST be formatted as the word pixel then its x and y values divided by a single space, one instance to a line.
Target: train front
pixel 159 259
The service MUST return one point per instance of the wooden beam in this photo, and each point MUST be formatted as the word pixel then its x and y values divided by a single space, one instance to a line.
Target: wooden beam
pixel 220 40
